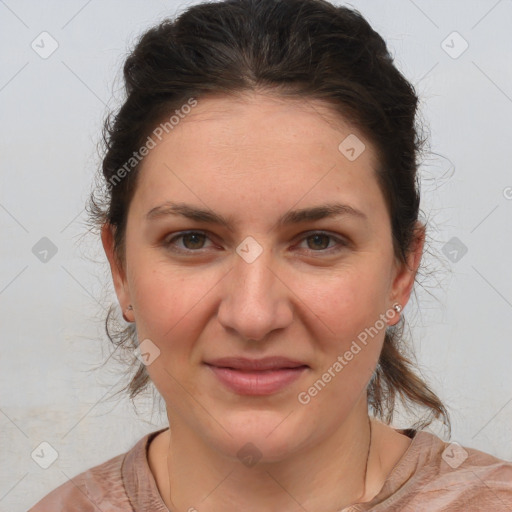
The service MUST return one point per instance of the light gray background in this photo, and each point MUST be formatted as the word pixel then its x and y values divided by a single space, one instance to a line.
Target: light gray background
pixel 51 312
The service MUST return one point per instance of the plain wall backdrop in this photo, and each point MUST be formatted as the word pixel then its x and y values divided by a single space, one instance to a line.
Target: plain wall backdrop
pixel 53 100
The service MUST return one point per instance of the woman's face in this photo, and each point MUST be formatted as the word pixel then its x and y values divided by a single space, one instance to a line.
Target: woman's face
pixel 291 257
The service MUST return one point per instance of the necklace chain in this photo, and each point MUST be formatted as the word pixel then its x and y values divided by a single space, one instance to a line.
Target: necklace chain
pixel 367 458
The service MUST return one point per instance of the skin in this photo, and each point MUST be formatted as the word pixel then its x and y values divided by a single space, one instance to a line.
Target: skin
pixel 252 159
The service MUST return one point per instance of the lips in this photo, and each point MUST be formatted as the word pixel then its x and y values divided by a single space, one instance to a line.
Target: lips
pixel 266 363
pixel 264 376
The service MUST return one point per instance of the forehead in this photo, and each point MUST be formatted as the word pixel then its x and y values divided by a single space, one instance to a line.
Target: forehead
pixel 246 120
pixel 260 146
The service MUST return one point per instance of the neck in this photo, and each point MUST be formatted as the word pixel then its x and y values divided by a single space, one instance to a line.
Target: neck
pixel 326 476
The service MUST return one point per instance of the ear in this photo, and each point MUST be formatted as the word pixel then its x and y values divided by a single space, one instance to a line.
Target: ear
pixel 405 275
pixel 116 268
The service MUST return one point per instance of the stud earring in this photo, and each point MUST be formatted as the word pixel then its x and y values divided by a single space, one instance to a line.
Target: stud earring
pixel 397 307
pixel 129 308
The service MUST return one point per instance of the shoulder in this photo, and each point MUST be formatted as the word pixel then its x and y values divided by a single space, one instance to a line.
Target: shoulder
pixel 98 488
pixel 452 477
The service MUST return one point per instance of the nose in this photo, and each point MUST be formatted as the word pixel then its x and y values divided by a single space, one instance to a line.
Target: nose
pixel 255 299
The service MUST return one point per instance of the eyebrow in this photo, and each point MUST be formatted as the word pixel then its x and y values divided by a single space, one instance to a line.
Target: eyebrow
pixel 291 217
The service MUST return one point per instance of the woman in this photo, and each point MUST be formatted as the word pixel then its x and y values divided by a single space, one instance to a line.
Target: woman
pixel 260 218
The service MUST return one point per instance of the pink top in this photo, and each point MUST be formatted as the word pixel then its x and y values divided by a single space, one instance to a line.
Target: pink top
pixel 432 475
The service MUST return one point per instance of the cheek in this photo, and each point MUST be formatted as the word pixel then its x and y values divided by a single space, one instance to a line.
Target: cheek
pixel 349 337
pixel 172 311
pixel 346 304
pixel 170 304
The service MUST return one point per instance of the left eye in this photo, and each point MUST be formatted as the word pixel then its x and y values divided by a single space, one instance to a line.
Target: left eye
pixel 320 241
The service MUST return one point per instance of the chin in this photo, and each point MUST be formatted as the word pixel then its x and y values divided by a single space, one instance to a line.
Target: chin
pixel 265 436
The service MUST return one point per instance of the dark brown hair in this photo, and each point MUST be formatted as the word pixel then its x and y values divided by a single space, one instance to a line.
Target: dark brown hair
pixel 302 49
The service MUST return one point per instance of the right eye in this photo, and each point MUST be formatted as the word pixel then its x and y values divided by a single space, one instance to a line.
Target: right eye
pixel 189 241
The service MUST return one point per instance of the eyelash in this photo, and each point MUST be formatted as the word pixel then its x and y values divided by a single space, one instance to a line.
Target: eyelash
pixel 339 241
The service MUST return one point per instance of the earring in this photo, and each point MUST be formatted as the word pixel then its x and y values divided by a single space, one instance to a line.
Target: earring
pixel 129 308
pixel 397 307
